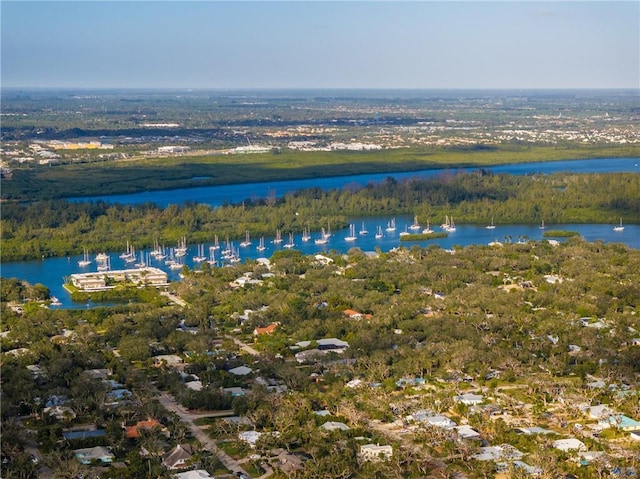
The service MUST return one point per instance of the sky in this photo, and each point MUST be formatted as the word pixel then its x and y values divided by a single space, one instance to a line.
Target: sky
pixel 320 44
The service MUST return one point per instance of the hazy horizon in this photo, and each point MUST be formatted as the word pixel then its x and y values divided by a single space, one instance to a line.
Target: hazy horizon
pixel 296 45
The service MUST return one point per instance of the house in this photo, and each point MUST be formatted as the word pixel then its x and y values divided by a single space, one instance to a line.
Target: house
pixel 170 360
pixel 620 421
pixel 496 453
pixel 334 426
pixel 467 432
pixel 241 371
pixel 195 474
pixel 250 437
pixel 375 452
pixel 134 432
pixel 470 399
pixel 600 412
pixel 288 462
pixel 534 430
pixel 635 435
pixel 440 421
pixel 353 314
pixel 332 344
pixel 60 412
pixel 90 454
pixel 571 444
pixel 177 457
pixel 270 329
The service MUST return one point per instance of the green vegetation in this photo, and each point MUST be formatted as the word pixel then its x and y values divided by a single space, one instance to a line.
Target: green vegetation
pixel 446 319
pixel 422 236
pixel 132 176
pixel 560 234
pixel 58 228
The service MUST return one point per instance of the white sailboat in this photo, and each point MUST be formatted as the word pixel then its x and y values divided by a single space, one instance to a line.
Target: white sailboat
pixel 181 249
pixel 379 232
pixel 216 243
pixel 352 233
pixel 619 227
pixel 278 238
pixel 212 255
pixel 363 231
pixel 132 257
pixel 85 261
pixel 542 225
pixel 323 238
pixel 142 263
pixel 261 246
pixel 428 229
pixel 306 235
pixel 415 226
pixel 104 263
pixel 391 225
pixel 290 244
pixel 491 226
pixel 448 224
pixel 200 257
pixel 128 253
pixel 247 240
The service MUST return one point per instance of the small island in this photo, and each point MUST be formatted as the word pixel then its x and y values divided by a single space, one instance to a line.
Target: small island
pixel 560 234
pixel 422 236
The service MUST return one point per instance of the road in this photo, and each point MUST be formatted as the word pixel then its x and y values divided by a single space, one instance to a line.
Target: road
pixel 244 346
pixel 209 444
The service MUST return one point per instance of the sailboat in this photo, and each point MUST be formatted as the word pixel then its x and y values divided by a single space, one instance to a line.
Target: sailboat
pixel 428 229
pixel 142 263
pixel 306 234
pixel 405 232
pixel 290 244
pixel 352 233
pixel 181 249
pixel 128 253
pixel 261 246
pixel 104 262
pixel 379 232
pixel 278 238
pixel 85 261
pixel 216 243
pixel 415 226
pixel 363 230
pixel 247 240
pixel 200 257
pixel 448 224
pixel 542 225
pixel 391 225
pixel 491 226
pixel 132 255
pixel 212 255
pixel 619 227
pixel 323 238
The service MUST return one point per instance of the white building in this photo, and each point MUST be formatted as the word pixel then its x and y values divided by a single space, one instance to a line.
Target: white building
pixel 375 452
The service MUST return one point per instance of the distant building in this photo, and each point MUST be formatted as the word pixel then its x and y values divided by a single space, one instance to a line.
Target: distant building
pixel 97 281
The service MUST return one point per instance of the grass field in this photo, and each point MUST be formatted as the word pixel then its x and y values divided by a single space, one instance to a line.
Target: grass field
pixel 183 172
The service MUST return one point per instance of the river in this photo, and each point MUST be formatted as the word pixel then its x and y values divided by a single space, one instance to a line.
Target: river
pixel 219 195
pixel 51 271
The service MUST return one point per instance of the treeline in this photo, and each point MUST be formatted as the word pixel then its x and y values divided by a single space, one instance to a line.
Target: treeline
pixel 58 228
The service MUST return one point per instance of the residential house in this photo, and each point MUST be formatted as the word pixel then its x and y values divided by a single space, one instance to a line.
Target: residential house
pixel 332 344
pixel 467 432
pixel 170 360
pixel 195 474
pixel 375 452
pixel 270 329
pixel 620 421
pixel 178 457
pixel 241 371
pixel 497 453
pixel 135 431
pixel 91 454
pixel 571 444
pixel 470 399
pixel 335 426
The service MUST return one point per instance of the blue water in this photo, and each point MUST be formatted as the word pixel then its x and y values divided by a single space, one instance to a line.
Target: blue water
pixel 219 195
pixel 51 272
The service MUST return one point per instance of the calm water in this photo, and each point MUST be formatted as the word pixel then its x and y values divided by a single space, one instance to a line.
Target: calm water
pixel 219 195
pixel 51 272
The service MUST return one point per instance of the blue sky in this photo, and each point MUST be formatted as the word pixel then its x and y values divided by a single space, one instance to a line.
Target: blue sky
pixel 304 44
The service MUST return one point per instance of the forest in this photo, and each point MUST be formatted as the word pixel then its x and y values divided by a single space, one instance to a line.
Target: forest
pixel 451 319
pixel 59 228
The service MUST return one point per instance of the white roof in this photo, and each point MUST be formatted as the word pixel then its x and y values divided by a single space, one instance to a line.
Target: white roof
pixel 196 474
pixel 333 425
pixel 241 371
pixel 569 444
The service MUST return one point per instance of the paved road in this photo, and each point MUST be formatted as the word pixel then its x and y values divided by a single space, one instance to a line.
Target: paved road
pixel 244 346
pixel 209 444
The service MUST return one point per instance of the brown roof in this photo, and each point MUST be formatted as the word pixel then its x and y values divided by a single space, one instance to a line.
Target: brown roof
pixel 266 330
pixel 134 431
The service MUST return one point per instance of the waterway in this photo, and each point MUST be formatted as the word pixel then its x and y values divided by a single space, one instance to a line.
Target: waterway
pixel 225 194
pixel 52 271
